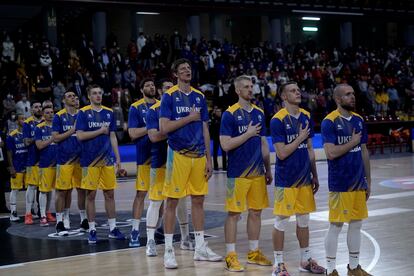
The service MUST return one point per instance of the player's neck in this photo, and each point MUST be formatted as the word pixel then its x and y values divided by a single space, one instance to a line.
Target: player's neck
pixel 48 123
pixel 37 118
pixel 96 107
pixel 292 109
pixel 344 113
pixel 184 87
pixel 149 100
pixel 246 105
pixel 70 109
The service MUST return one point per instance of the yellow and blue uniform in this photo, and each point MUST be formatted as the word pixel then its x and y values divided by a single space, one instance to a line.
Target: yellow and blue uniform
pixel 68 170
pixel 186 161
pixel 293 189
pixel 246 184
pixel 15 144
pixel 97 158
pixel 158 156
pixel 346 175
pixel 32 166
pixel 137 119
pixel 47 158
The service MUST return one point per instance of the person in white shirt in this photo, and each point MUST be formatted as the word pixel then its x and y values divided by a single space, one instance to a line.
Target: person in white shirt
pixel 23 106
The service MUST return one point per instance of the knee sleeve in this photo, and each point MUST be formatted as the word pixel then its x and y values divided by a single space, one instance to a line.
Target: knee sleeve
pixel 152 212
pixel 181 211
pixel 281 223
pixel 302 220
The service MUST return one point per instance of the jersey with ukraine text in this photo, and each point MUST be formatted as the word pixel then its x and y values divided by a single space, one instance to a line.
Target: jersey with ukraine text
pixel 189 139
pixel 295 170
pixel 96 152
pixel 159 149
pixel 68 149
pixel 47 155
pixel 245 160
pixel 16 146
pixel 345 173
pixel 29 126
pixel 137 119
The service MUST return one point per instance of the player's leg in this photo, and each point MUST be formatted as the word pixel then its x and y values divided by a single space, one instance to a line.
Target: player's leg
pixel 17 183
pixel 183 220
pixel 305 203
pixel 66 211
pixel 169 225
pixel 152 219
pixel 81 193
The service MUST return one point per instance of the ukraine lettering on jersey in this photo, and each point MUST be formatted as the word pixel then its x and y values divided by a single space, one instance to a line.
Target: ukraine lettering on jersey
pixel 68 149
pixel 15 144
pixel 159 149
pixel 295 170
pixel 29 126
pixel 47 155
pixel 137 119
pixel 189 139
pixel 96 152
pixel 345 173
pixel 245 160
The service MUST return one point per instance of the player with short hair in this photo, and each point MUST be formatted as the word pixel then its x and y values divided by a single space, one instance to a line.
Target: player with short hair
pixel 349 177
pixel 47 164
pixel 32 169
pixel 95 128
pixel 68 171
pixel 138 132
pixel 184 118
pixel 17 156
pixel 296 177
pixel 243 136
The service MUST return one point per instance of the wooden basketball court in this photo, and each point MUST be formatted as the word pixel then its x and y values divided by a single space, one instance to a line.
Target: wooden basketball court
pixel 387 237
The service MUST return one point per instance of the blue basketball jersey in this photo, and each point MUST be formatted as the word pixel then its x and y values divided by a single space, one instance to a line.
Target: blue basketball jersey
pixel 159 149
pixel 47 155
pixel 295 170
pixel 29 126
pixel 96 152
pixel 137 119
pixel 15 144
pixel 70 148
pixel 245 160
pixel 188 140
pixel 345 173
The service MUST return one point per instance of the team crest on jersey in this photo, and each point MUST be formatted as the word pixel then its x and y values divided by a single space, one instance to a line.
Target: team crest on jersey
pixel 108 115
pixel 89 115
pixel 239 118
pixel 43 130
pixel 198 100
pixel 360 124
pixel 287 126
pixel 177 99
pixel 339 127
pixel 64 119
pixel 259 117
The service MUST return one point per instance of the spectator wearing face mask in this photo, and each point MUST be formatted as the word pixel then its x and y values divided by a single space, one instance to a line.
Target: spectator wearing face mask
pixel 23 106
pixel 8 104
pixel 11 122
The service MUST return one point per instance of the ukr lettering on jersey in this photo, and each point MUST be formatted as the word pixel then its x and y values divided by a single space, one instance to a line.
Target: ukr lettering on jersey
pixel 186 109
pixel 97 124
pixel 292 137
pixel 66 127
pixel 243 129
pixel 345 139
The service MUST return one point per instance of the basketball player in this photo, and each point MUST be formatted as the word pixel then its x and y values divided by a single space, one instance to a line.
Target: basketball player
pixel 243 136
pixel 95 128
pixel 184 118
pixel 296 178
pixel 47 164
pixel 68 171
pixel 157 178
pixel 17 156
pixel 138 132
pixel 349 177
pixel 32 169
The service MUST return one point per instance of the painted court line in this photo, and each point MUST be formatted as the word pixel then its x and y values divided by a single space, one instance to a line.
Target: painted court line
pixel 393 195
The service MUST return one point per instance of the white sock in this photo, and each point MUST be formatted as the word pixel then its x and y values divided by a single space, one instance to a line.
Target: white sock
pixel 331 245
pixel 48 201
pixel 29 198
pixel 82 214
pixel 253 245
pixel 185 231
pixel 230 247
pixel 150 233
pixel 354 242
pixel 199 238
pixel 112 223
pixel 168 240
pixel 305 254
pixel 278 257
pixel 182 216
pixel 59 217
pixel 135 224
pixel 91 226
pixel 42 203
pixel 13 199
pixel 353 260
pixel 66 214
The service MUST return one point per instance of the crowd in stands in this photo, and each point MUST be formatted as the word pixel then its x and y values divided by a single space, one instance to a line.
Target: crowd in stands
pixel 31 67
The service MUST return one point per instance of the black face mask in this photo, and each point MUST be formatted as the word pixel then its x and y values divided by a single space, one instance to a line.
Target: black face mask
pixel 348 107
